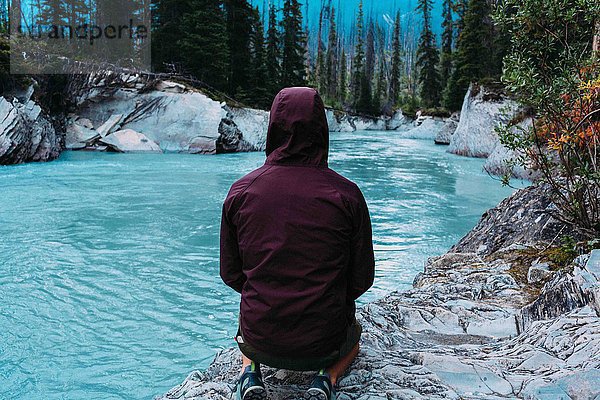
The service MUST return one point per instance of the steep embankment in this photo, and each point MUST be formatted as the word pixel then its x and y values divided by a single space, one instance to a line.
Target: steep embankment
pixel 479 323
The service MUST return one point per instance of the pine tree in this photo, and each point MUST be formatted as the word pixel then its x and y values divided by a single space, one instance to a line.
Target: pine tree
pixel 380 87
pixel 343 89
pixel 447 39
pixel 294 39
pixel 471 55
pixel 273 54
pixel 167 20
pixel 370 53
pixel 260 93
pixel 365 100
pixel 332 59
pixel 427 59
pixel 239 31
pixel 204 48
pixel 319 76
pixel 394 93
pixel 357 63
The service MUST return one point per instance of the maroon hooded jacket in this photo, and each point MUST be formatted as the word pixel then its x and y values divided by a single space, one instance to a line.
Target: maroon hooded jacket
pixel 296 237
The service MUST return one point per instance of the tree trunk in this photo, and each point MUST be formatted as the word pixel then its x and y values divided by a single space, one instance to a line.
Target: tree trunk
pixel 15 16
pixel 596 45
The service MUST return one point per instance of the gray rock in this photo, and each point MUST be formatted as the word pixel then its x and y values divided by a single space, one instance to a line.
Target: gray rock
pixel 26 133
pixel 340 121
pixel 420 344
pixel 231 139
pixel 130 141
pixel 425 128
pixel 397 121
pixel 80 134
pixel 177 117
pixel 498 162
pixel 252 125
pixel 444 136
pixel 170 87
pixel 539 272
pixel 520 220
pixel 110 125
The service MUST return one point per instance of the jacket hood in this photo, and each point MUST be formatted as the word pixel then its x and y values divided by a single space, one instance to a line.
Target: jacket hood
pixel 298 131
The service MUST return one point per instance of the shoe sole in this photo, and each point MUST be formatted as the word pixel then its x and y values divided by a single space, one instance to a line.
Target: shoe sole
pixel 315 394
pixel 256 393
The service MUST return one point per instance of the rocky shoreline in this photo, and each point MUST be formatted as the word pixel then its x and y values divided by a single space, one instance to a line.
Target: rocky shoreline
pixel 478 323
pixel 140 112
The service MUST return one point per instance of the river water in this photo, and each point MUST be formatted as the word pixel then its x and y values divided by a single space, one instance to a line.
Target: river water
pixel 109 281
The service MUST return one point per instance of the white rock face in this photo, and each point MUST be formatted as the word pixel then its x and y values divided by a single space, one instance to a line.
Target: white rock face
pixel 26 134
pixel 177 118
pixel 482 111
pixel 425 128
pixel 496 163
pixel 253 124
pixel 339 122
pixel 343 122
pixel 130 141
pixel 397 122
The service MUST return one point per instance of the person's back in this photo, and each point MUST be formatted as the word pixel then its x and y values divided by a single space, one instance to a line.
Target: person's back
pixel 296 241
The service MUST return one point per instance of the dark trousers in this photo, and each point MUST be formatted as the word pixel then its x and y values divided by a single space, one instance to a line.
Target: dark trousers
pixel 299 363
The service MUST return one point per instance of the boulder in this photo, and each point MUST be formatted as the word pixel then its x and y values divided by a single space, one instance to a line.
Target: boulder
pixel 252 125
pixel 483 109
pixel 130 141
pixel 177 117
pixel 397 121
pixel 170 86
pixel 339 121
pixel 519 220
pixel 109 125
pixel 231 139
pixel 498 161
pixel 26 133
pixel 444 135
pixel 425 128
pixel 80 134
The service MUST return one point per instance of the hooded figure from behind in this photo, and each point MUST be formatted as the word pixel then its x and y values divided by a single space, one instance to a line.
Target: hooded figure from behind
pixel 296 242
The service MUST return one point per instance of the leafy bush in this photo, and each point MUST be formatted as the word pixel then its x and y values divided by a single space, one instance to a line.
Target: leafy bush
pixel 552 69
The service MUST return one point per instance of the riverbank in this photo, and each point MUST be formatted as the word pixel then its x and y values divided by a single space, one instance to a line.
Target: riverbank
pixel 496 317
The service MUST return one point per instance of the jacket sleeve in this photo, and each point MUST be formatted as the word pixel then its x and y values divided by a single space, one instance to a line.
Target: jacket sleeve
pixel 230 260
pixel 362 260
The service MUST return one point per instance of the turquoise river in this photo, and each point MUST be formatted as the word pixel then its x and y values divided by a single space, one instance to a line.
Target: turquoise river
pixel 109 280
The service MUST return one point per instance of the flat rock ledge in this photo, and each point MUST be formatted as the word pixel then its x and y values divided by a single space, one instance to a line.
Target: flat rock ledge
pixel 469 329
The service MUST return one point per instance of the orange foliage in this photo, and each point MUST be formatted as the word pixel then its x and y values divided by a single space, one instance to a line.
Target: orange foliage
pixel 579 125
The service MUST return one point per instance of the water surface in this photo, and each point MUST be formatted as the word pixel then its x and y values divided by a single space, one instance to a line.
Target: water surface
pixel 109 281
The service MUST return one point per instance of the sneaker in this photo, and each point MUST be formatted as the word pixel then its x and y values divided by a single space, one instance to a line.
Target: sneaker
pixel 250 385
pixel 320 388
